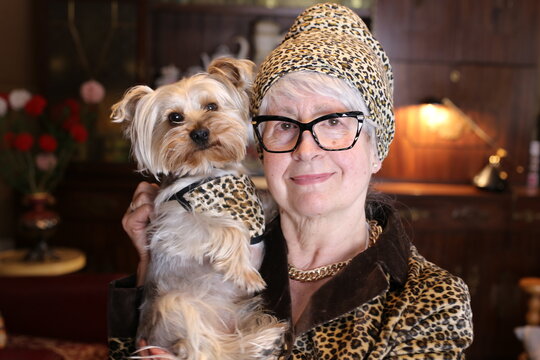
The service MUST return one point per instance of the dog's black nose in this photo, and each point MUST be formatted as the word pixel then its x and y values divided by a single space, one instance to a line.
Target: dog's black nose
pixel 200 136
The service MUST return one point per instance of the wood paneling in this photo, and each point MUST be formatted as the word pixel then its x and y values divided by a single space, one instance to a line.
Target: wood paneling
pixel 412 29
pixel 500 99
pixel 504 31
pixel 474 54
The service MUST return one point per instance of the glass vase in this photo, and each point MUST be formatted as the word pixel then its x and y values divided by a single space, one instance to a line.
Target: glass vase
pixel 39 224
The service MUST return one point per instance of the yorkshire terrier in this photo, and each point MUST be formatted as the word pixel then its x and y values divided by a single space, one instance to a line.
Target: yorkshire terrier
pixel 200 292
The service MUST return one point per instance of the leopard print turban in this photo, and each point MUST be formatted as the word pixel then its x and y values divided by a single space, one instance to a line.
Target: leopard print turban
pixel 331 39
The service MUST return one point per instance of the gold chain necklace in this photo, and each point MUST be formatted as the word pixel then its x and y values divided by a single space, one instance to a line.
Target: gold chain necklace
pixel 323 272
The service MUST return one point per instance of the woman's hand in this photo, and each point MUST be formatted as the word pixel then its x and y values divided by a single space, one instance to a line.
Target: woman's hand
pixel 136 220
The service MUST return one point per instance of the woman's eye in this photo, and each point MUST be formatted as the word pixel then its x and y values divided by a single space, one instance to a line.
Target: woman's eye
pixel 175 118
pixel 211 107
pixel 285 126
pixel 333 122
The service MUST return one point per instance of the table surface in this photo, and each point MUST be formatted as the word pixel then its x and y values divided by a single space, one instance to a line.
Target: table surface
pixel 65 261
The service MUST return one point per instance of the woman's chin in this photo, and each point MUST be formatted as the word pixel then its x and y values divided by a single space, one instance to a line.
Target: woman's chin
pixel 311 206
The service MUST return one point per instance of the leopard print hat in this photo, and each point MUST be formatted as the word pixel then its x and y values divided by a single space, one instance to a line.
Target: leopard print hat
pixel 331 39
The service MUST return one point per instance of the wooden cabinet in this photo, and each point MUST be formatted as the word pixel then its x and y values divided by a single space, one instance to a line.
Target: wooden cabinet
pixel 75 41
pixel 490 240
pixel 91 202
pixel 178 34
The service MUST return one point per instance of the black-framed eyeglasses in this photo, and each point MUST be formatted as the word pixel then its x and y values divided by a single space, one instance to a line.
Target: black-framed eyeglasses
pixel 332 132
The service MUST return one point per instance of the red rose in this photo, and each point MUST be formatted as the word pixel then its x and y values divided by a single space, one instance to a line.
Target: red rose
pixel 47 143
pixel 76 117
pixel 9 138
pixel 73 106
pixel 23 141
pixel 65 109
pixel 78 133
pixel 71 122
pixel 35 105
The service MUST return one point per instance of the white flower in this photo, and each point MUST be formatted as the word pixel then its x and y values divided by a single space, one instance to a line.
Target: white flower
pixel 3 107
pixel 92 92
pixel 18 98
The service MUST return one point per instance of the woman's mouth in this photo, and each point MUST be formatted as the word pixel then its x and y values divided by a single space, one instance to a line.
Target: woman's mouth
pixel 310 179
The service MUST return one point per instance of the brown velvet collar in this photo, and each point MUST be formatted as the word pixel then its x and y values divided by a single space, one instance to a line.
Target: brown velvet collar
pixel 363 279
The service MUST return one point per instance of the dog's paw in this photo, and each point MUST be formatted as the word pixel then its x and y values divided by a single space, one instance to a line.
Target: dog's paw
pixel 269 341
pixel 250 280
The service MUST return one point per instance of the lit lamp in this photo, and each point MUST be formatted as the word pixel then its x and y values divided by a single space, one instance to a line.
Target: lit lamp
pixel 439 116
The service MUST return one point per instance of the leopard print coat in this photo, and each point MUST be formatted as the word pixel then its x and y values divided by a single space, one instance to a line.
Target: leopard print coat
pixel 428 319
pixel 388 303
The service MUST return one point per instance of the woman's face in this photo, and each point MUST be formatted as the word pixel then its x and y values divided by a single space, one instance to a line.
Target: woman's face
pixel 310 181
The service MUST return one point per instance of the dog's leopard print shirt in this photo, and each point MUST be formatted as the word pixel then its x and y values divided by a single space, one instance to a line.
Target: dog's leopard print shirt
pixel 230 194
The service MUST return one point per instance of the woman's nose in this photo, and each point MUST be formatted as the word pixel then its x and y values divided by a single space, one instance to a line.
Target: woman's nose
pixel 307 148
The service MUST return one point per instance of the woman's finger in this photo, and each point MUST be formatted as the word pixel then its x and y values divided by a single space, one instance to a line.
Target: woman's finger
pixel 135 222
pixel 152 351
pixel 145 193
pixel 141 344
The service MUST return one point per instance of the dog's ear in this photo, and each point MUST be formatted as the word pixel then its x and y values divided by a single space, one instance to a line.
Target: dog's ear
pixel 239 72
pixel 124 110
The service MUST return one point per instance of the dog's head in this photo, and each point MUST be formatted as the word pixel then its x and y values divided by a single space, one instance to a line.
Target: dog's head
pixel 191 126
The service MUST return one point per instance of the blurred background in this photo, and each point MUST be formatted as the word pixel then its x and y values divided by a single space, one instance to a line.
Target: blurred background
pixel 463 166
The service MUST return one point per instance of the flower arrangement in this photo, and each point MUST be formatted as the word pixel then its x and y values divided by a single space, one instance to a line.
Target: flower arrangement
pixel 37 140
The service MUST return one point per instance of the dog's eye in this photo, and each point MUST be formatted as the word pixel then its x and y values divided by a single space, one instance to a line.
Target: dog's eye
pixel 211 107
pixel 176 118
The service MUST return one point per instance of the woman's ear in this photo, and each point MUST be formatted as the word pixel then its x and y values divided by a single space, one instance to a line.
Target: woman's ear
pixel 371 146
pixel 376 163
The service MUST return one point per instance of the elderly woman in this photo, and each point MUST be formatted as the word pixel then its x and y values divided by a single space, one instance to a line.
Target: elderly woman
pixel 338 265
